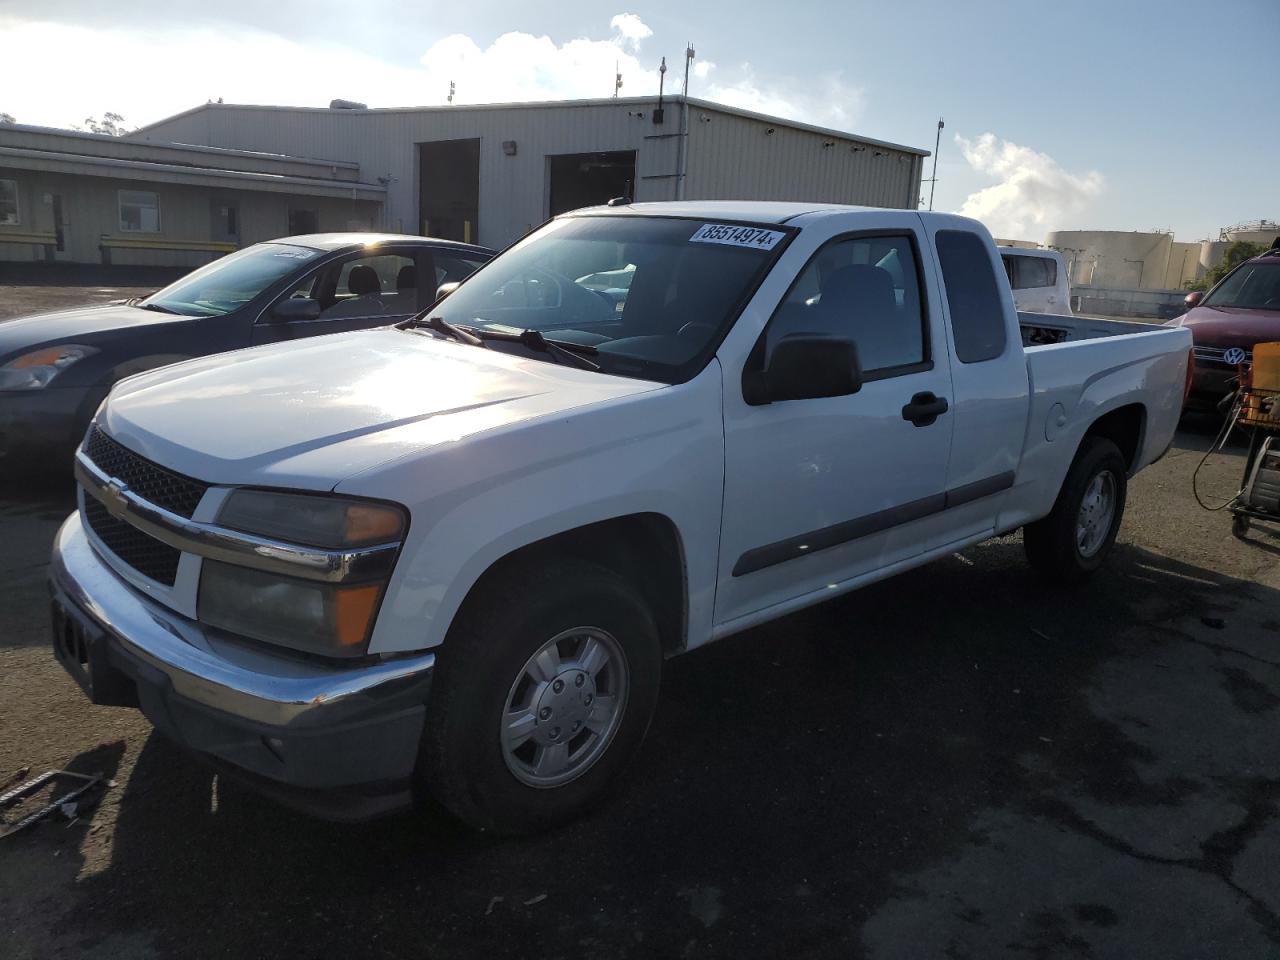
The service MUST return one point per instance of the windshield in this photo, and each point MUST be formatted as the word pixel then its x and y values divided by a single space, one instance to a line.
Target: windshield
pixel 1255 285
pixel 232 281
pixel 651 295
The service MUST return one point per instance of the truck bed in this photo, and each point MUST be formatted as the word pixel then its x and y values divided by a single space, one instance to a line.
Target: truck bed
pixel 1042 329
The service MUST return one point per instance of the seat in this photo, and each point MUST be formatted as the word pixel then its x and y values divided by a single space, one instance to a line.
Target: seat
pixel 363 280
pixel 858 303
pixel 407 278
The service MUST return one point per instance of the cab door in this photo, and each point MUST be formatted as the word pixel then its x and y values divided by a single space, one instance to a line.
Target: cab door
pixel 820 492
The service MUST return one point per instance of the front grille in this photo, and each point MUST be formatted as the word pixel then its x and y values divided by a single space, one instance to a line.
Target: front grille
pixel 150 481
pixel 1216 354
pixel 144 553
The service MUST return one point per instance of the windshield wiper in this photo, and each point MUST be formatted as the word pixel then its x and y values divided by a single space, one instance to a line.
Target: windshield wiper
pixel 159 309
pixel 555 348
pixel 441 325
pixel 562 351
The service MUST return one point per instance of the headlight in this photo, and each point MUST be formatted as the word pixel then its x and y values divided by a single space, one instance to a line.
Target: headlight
pixel 332 619
pixel 34 370
pixel 303 614
pixel 314 520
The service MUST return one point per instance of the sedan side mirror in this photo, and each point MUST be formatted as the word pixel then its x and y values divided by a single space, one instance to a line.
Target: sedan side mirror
pixel 445 289
pixel 805 367
pixel 1193 299
pixel 300 308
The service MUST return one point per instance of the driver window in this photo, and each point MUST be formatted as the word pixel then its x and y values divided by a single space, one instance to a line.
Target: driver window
pixel 865 289
pixel 370 286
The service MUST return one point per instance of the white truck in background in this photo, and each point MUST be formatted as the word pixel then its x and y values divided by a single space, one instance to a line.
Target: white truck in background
pixel 452 554
pixel 1038 279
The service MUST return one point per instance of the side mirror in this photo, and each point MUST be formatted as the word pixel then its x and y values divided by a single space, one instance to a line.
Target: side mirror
pixel 301 308
pixel 445 289
pixel 805 367
pixel 1193 299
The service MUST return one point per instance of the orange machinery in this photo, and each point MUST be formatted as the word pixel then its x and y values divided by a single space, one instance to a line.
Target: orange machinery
pixel 1259 497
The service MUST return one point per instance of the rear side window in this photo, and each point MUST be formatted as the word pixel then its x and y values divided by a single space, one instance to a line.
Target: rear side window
pixel 977 312
pixel 1029 272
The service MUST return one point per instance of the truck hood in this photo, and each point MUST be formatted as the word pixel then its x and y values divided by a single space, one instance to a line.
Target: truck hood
pixel 1230 326
pixel 69 326
pixel 311 414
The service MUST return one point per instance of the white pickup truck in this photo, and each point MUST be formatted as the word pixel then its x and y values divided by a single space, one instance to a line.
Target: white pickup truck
pixel 452 554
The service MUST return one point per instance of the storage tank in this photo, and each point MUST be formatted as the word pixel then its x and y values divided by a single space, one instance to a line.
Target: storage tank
pixel 1255 231
pixel 1115 259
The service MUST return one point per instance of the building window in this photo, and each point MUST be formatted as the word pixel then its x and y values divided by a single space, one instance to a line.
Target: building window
pixel 139 211
pixel 9 203
pixel 303 221
pixel 226 221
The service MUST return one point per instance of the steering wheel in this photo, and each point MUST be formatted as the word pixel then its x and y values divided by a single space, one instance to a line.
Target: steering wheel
pixel 694 329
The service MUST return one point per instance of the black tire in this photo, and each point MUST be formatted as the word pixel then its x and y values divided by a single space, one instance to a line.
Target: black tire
pixel 1051 543
pixel 463 762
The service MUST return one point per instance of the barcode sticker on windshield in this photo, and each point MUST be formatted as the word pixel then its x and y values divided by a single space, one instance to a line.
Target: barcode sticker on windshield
pixel 737 236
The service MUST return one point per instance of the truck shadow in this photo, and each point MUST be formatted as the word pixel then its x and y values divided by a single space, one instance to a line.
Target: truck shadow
pixel 792 776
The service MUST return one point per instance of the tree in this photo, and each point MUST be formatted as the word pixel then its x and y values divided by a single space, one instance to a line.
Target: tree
pixel 112 124
pixel 7 118
pixel 1236 253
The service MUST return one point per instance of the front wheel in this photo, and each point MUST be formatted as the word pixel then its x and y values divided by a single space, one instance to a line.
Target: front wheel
pixel 544 691
pixel 1075 538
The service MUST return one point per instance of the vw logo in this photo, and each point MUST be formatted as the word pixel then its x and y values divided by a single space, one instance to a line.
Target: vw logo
pixel 1234 356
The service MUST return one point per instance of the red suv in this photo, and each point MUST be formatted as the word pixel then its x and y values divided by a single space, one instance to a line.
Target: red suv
pixel 1241 310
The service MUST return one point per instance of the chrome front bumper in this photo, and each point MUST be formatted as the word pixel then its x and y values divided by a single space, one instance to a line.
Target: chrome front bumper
pixel 294 722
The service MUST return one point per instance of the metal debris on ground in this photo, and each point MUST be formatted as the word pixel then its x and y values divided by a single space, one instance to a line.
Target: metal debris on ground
pixel 68 804
pixel 538 899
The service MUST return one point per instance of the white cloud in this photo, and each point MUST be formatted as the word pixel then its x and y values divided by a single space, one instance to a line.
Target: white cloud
pixel 631 28
pixel 148 73
pixel 828 101
pixel 1034 193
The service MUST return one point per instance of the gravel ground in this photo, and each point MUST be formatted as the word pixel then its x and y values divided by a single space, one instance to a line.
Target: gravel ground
pixel 959 762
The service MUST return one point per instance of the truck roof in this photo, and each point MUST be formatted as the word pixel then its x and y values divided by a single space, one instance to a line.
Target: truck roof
pixel 758 211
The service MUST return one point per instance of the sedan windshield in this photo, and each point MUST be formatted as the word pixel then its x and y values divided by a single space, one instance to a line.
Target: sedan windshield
pixel 231 282
pixel 1254 285
pixel 647 297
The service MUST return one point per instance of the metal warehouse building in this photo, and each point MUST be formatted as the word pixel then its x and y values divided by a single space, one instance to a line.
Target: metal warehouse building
pixel 490 173
pixel 86 198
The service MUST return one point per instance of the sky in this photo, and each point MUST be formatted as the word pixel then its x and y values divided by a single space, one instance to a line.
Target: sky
pixel 1116 115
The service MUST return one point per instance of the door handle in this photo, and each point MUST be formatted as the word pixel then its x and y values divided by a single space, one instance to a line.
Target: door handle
pixel 924 408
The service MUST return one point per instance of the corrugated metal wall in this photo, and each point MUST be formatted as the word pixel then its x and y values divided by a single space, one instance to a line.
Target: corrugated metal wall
pixel 730 157
pixel 733 157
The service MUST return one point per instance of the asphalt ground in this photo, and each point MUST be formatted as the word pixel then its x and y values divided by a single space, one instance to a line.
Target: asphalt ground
pixel 960 762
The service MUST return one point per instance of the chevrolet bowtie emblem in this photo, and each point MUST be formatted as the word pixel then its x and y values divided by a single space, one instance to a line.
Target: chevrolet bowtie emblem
pixel 113 498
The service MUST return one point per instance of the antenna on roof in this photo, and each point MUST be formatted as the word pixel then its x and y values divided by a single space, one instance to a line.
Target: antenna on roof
pixel 617 79
pixel 452 90
pixel 933 181
pixel 689 54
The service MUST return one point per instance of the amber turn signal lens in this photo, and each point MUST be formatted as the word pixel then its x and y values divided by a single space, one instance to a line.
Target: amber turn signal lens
pixel 353 612
pixel 367 523
pixel 41 358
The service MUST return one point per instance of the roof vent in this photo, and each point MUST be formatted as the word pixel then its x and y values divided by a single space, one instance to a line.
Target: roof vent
pixel 347 105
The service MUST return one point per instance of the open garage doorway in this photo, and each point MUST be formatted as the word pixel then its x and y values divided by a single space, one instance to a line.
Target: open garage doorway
pixel 588 179
pixel 449 189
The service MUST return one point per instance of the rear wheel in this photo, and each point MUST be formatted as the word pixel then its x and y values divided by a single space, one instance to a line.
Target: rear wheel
pixel 1074 539
pixel 544 691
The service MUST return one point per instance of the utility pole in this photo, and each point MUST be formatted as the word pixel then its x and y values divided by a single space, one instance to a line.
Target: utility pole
pixel 933 181
pixel 682 148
